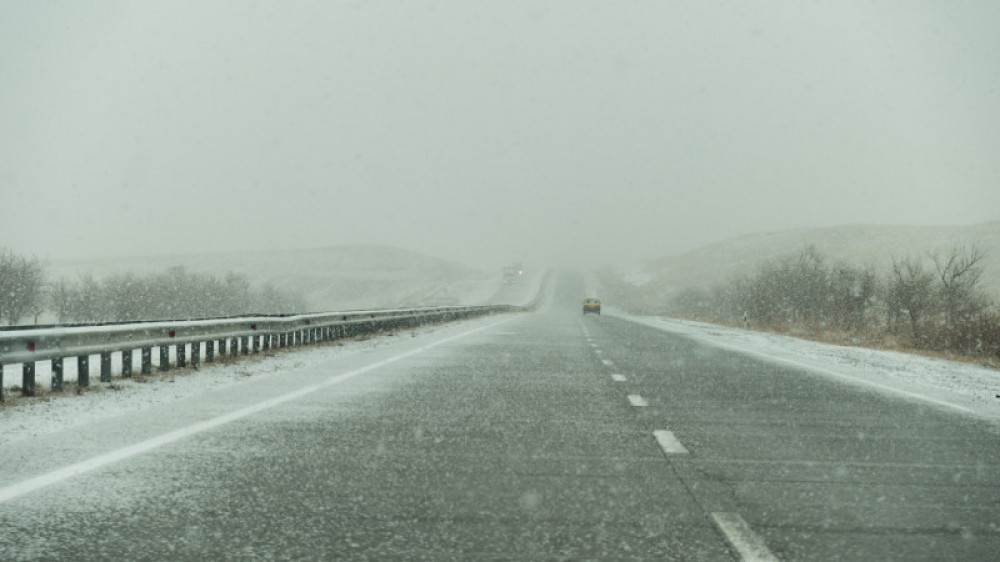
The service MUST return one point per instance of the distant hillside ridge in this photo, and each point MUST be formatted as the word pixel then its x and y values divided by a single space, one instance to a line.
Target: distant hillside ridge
pixel 656 280
pixel 346 277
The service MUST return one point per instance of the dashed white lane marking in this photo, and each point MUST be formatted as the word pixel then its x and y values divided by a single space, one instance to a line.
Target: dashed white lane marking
pixel 592 344
pixel 598 351
pixel 747 544
pixel 637 401
pixel 619 378
pixel 607 362
pixel 669 443
pixel 13 491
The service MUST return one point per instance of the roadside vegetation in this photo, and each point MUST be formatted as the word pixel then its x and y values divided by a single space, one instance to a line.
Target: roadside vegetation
pixel 931 305
pixel 26 295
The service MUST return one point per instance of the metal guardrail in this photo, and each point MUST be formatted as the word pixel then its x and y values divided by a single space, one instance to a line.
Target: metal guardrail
pixel 232 336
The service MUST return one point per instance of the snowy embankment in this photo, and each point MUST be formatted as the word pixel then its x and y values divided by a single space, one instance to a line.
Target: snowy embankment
pixel 953 385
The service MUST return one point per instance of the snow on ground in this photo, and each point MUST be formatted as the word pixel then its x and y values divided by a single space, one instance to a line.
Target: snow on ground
pixel 951 384
pixel 23 418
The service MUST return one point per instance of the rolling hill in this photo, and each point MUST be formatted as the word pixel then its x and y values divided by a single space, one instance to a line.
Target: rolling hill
pixel 653 281
pixel 330 278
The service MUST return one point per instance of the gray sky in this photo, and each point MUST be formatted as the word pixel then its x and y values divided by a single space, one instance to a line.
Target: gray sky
pixel 489 131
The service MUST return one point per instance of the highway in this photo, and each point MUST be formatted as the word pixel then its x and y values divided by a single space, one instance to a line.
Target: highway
pixel 542 436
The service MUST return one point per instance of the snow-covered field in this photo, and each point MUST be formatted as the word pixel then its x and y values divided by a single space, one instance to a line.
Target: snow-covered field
pixel 949 384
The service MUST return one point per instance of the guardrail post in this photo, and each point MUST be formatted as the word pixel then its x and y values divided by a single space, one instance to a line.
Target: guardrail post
pixel 234 346
pixel 164 357
pixel 83 370
pixel 210 351
pixel 57 374
pixel 28 378
pixel 256 343
pixel 147 360
pixel 106 366
pixel 1 382
pixel 195 353
pixel 127 363
pixel 181 355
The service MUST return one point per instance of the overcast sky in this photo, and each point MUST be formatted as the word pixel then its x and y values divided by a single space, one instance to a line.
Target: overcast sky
pixel 489 131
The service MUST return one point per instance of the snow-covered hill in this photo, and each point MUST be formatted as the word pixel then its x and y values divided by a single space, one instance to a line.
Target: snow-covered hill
pixel 859 245
pixel 331 278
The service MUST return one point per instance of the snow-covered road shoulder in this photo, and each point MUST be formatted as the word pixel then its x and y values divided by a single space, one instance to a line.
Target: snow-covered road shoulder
pixel 27 418
pixel 954 385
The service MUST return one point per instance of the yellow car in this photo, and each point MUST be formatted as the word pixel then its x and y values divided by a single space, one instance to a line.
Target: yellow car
pixel 591 304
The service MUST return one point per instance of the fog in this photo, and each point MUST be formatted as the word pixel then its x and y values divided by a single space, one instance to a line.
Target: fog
pixel 485 132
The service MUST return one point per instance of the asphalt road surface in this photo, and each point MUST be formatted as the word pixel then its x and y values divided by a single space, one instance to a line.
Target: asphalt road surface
pixel 544 436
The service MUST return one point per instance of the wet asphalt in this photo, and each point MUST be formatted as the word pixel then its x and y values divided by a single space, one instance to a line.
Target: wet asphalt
pixel 534 440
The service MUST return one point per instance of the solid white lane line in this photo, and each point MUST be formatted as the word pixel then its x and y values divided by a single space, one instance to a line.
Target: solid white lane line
pixel 747 544
pixel 619 378
pixel 607 362
pixel 15 490
pixel 668 443
pixel 637 401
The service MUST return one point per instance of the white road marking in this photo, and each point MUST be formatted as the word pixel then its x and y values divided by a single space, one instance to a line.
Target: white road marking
pixel 637 401
pixel 607 362
pixel 750 547
pixel 598 351
pixel 669 443
pixel 619 378
pixel 21 488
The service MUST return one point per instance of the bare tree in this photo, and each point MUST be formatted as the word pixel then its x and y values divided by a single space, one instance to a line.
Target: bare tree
pixel 60 299
pixel 21 286
pixel 959 271
pixel 910 292
pixel 853 292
